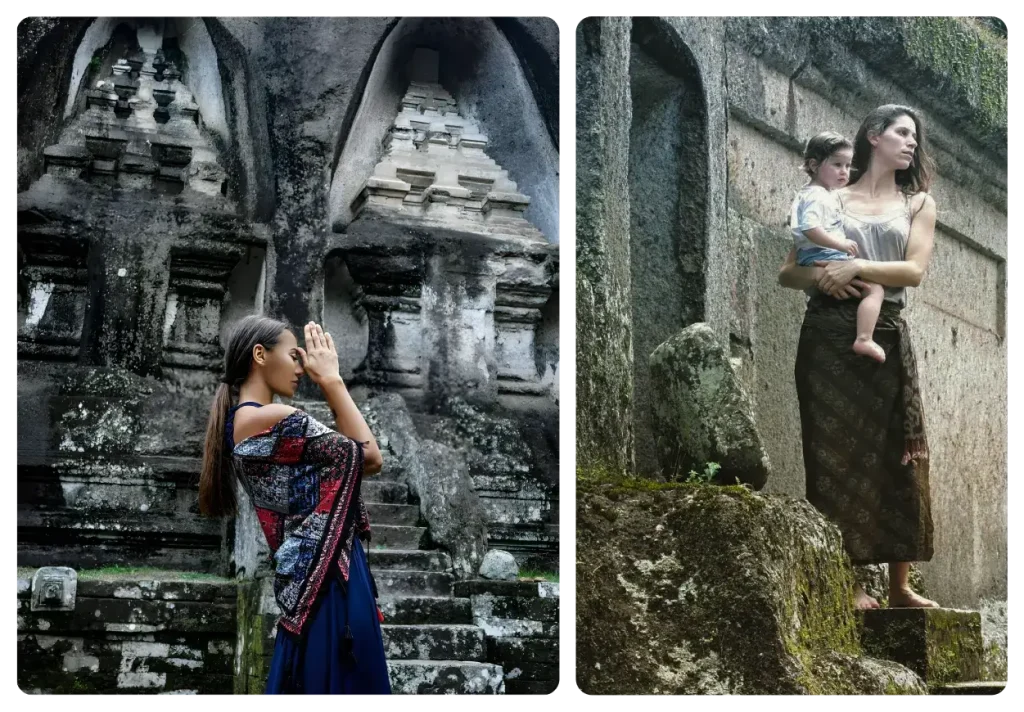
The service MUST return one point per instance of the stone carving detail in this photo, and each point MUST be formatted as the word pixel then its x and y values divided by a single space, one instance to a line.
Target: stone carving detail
pixel 195 298
pixel 54 589
pixel 435 168
pixel 52 296
pixel 140 129
pixel 517 315
pixel 389 293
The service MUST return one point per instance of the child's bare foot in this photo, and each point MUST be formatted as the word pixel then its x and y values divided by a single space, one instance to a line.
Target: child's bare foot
pixel 862 601
pixel 908 599
pixel 868 347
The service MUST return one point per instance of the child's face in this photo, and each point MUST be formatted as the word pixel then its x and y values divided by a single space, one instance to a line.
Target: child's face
pixel 834 172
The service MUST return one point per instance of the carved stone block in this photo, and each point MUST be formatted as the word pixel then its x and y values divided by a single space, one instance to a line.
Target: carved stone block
pixel 54 589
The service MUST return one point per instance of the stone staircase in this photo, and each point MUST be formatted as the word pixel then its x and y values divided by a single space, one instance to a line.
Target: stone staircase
pixel 942 645
pixel 431 643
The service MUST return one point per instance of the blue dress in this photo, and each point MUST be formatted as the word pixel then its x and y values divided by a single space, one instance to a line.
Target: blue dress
pixel 320 664
pixel 342 652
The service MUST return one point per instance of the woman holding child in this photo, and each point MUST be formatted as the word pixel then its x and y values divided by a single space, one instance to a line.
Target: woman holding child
pixel 867 224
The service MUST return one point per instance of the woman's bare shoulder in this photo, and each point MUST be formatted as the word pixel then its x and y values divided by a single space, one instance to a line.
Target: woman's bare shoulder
pixel 921 200
pixel 250 421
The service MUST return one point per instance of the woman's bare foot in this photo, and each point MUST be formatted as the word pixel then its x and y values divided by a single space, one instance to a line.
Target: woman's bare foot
pixel 862 601
pixel 908 599
pixel 868 347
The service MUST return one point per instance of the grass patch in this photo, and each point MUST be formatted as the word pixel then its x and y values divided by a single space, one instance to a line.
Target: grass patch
pixel 115 572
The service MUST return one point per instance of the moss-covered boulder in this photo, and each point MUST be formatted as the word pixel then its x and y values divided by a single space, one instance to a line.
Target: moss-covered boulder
pixel 686 589
pixel 701 412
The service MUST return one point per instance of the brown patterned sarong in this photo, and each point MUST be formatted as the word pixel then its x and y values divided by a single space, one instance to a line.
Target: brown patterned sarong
pixel 864 443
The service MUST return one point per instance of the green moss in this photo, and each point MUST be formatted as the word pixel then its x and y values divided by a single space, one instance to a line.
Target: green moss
pixel 974 61
pixel 615 484
pixel 254 635
pixel 954 648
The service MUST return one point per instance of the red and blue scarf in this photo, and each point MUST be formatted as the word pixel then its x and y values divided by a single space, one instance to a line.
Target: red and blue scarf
pixel 304 479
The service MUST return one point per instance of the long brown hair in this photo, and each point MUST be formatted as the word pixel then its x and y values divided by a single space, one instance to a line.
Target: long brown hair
pixel 217 494
pixel 914 179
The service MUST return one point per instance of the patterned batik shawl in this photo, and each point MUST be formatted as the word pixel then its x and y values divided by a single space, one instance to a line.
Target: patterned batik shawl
pixel 304 480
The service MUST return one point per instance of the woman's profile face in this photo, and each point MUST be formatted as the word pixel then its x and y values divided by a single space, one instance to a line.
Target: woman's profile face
pixel 282 367
pixel 896 145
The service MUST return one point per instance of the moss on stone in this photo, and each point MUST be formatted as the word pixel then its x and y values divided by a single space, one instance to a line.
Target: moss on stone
pixel 954 647
pixel 250 670
pixel 687 589
pixel 973 61
pixel 994 663
pixel 941 645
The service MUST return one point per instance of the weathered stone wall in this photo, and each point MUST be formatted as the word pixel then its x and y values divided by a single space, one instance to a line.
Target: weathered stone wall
pixel 779 81
pixel 604 349
pixel 130 634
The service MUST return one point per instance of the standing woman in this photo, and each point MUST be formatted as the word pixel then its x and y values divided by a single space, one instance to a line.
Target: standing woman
pixel 304 481
pixel 864 445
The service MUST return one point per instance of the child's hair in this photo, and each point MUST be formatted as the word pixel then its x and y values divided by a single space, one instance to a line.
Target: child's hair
pixel 820 147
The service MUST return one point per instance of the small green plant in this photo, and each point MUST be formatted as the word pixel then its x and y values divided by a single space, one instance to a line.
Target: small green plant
pixel 96 61
pixel 702 478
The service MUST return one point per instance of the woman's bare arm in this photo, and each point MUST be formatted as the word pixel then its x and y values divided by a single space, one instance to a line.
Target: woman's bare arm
pixel 794 276
pixel 351 423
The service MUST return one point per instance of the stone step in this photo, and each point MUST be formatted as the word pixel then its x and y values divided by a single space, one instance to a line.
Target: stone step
pixel 408 559
pixel 942 645
pixel 115 523
pixel 405 515
pixel 978 687
pixel 396 582
pixel 385 492
pixel 412 610
pixel 453 677
pixel 62 537
pixel 390 536
pixel 515 650
pixel 434 642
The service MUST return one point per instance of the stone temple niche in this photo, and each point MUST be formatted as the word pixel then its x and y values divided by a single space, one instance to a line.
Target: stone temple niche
pixel 667 192
pixel 208 293
pixel 436 168
pixel 52 297
pixel 456 312
pixel 246 291
pixel 134 122
pixel 431 206
pixel 344 317
pixel 546 352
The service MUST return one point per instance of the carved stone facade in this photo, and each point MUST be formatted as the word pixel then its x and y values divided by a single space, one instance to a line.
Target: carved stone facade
pixel 171 178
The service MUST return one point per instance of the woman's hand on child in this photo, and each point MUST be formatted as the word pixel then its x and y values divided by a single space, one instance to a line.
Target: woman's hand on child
pixel 836 277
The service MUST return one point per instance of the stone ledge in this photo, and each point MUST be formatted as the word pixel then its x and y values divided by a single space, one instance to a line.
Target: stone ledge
pixel 942 645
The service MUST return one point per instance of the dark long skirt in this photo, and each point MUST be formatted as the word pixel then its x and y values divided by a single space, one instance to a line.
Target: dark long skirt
pixel 320 664
pixel 855 415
